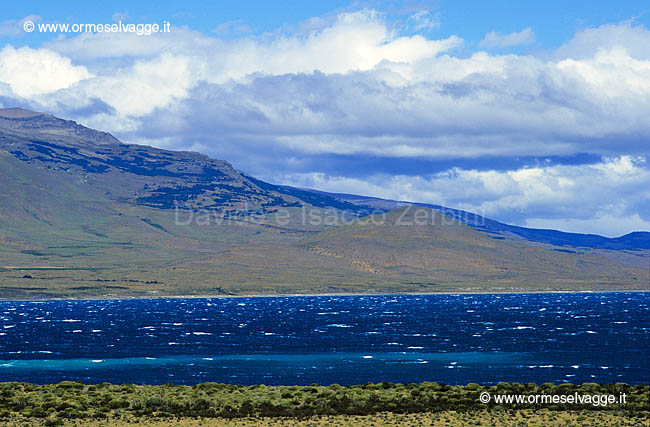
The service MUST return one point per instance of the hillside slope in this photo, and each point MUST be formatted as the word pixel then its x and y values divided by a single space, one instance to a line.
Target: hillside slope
pixel 138 174
pixel 84 215
pixel 426 245
pixel 638 240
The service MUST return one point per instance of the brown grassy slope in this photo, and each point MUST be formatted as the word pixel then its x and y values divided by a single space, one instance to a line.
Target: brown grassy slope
pixel 427 245
pixel 408 251
pixel 103 247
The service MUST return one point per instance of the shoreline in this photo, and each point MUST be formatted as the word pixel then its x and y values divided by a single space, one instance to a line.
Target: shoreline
pixel 311 295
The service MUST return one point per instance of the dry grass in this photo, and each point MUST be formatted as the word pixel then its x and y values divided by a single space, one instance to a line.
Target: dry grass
pixel 540 418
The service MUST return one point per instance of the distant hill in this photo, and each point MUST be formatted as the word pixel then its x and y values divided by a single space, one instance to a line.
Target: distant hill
pixel 85 215
pixel 631 241
pixel 412 242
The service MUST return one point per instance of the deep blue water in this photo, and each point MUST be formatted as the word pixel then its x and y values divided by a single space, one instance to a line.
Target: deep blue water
pixel 454 339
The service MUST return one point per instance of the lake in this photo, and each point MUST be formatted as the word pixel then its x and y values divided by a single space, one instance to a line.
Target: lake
pixel 453 339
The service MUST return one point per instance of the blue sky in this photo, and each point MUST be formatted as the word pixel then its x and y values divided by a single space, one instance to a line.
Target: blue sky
pixel 554 21
pixel 534 113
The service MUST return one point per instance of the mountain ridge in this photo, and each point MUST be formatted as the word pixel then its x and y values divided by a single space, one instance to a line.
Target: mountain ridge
pixel 629 241
pixel 163 178
pixel 26 122
pixel 20 121
pixel 86 218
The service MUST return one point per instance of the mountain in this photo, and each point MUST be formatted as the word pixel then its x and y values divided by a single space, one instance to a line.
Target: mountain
pixel 632 241
pixel 138 174
pixel 85 215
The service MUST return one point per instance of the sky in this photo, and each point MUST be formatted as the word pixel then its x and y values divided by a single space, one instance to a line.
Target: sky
pixel 532 113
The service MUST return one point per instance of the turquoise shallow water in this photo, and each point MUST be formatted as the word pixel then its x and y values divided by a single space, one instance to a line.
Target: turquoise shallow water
pixel 449 359
pixel 302 340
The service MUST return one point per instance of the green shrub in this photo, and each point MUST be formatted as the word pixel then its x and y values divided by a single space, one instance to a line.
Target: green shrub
pixel 72 400
pixel 118 403
pixel 70 385
pixel 37 412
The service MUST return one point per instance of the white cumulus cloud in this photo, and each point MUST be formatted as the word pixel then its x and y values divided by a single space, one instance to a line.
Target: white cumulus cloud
pixel 350 87
pixel 38 71
pixel 604 197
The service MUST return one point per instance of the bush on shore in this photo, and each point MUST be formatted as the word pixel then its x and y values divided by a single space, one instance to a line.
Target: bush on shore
pixel 73 400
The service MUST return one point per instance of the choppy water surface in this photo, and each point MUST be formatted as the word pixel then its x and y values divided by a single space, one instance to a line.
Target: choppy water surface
pixel 455 339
